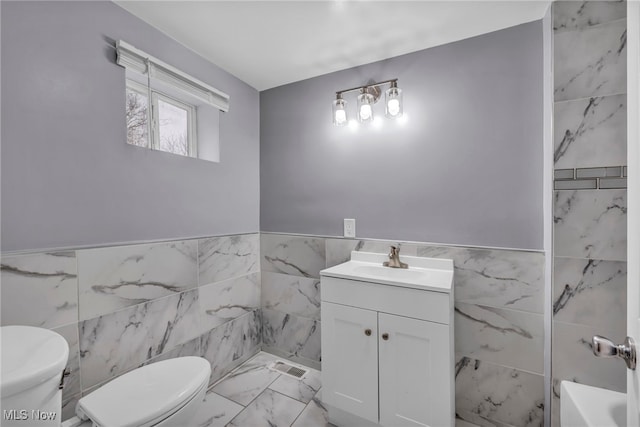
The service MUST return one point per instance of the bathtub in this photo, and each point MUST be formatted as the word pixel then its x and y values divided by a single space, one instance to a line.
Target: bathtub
pixel 585 406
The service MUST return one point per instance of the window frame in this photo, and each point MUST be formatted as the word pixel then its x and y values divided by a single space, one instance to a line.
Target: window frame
pixel 141 90
pixel 191 118
pixel 153 122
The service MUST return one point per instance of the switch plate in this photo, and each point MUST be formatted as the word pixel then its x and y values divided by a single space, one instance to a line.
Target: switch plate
pixel 349 227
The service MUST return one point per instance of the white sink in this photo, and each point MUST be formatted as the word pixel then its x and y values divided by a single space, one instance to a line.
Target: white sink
pixel 585 406
pixel 403 274
pixel 423 273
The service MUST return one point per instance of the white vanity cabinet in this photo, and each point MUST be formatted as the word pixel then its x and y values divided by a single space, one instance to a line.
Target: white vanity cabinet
pixel 387 345
pixel 350 359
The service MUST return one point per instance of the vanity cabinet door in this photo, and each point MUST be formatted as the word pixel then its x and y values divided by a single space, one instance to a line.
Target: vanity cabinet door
pixel 415 372
pixel 350 359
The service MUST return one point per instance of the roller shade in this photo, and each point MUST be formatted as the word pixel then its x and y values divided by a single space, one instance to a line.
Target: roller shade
pixel 136 60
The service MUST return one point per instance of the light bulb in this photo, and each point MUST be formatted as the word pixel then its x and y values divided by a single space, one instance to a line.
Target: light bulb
pixel 365 112
pixel 393 107
pixel 365 106
pixel 393 95
pixel 339 111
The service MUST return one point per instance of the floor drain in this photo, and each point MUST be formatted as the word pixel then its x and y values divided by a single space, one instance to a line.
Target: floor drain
pixel 289 370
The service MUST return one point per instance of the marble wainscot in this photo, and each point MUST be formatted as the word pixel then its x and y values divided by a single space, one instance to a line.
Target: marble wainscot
pixel 291 300
pixel 118 277
pixel 499 316
pixel 122 307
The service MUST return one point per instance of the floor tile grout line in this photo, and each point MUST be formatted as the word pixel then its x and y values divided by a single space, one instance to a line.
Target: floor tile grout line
pixel 306 406
pixel 282 394
pixel 301 412
pixel 252 400
pixel 300 380
pixel 226 398
pixel 224 377
pixel 264 366
pixel 291 397
pixel 258 395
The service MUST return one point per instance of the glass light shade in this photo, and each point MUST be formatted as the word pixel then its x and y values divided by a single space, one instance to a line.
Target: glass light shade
pixel 339 112
pixel 365 107
pixel 393 102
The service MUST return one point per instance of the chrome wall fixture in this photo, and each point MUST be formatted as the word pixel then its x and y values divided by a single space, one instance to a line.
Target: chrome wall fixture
pixel 368 96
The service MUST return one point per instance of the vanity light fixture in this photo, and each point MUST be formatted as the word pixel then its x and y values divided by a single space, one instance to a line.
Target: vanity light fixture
pixel 369 95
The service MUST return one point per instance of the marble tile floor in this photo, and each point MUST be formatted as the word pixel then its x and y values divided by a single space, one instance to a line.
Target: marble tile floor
pixel 254 396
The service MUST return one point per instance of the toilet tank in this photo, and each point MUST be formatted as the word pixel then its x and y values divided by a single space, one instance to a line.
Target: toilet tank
pixel 33 361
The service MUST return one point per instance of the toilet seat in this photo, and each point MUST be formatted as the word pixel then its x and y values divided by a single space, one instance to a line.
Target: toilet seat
pixel 148 395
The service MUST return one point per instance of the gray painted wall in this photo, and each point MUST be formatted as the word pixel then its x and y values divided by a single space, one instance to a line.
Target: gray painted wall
pixel 68 176
pixel 466 168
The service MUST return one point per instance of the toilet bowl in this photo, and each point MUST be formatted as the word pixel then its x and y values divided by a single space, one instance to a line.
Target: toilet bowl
pixel 33 361
pixel 162 394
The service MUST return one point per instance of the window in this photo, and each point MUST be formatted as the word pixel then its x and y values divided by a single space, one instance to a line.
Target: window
pixel 168 110
pixel 137 107
pixel 168 126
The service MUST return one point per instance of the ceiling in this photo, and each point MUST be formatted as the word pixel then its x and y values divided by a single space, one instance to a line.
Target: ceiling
pixel 271 43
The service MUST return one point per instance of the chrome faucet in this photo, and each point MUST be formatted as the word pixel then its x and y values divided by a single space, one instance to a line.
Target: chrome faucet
pixel 394 259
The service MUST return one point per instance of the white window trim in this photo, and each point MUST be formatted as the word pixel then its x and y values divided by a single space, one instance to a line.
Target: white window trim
pixel 153 124
pixel 192 145
pixel 136 60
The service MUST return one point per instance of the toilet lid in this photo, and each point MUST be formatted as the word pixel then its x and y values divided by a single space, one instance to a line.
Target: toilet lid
pixel 30 356
pixel 150 393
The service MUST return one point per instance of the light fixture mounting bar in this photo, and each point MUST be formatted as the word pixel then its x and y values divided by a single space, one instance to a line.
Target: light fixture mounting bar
pixel 340 92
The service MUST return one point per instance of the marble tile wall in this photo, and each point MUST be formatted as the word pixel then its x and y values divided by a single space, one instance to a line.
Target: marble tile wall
pixel 590 61
pixel 499 334
pixel 583 124
pixel 589 284
pixel 495 395
pixel 113 278
pixel 225 298
pixel 40 290
pixel 122 307
pixel 290 302
pixel 498 319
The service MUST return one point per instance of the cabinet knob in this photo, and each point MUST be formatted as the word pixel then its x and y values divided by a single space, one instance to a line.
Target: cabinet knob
pixel 367 332
pixel 385 336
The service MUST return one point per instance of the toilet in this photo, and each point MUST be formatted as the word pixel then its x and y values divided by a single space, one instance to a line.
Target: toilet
pixel 162 394
pixel 33 362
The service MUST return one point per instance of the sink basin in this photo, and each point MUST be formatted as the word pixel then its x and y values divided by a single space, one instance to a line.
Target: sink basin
pixel 404 274
pixel 423 273
pixel 585 406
